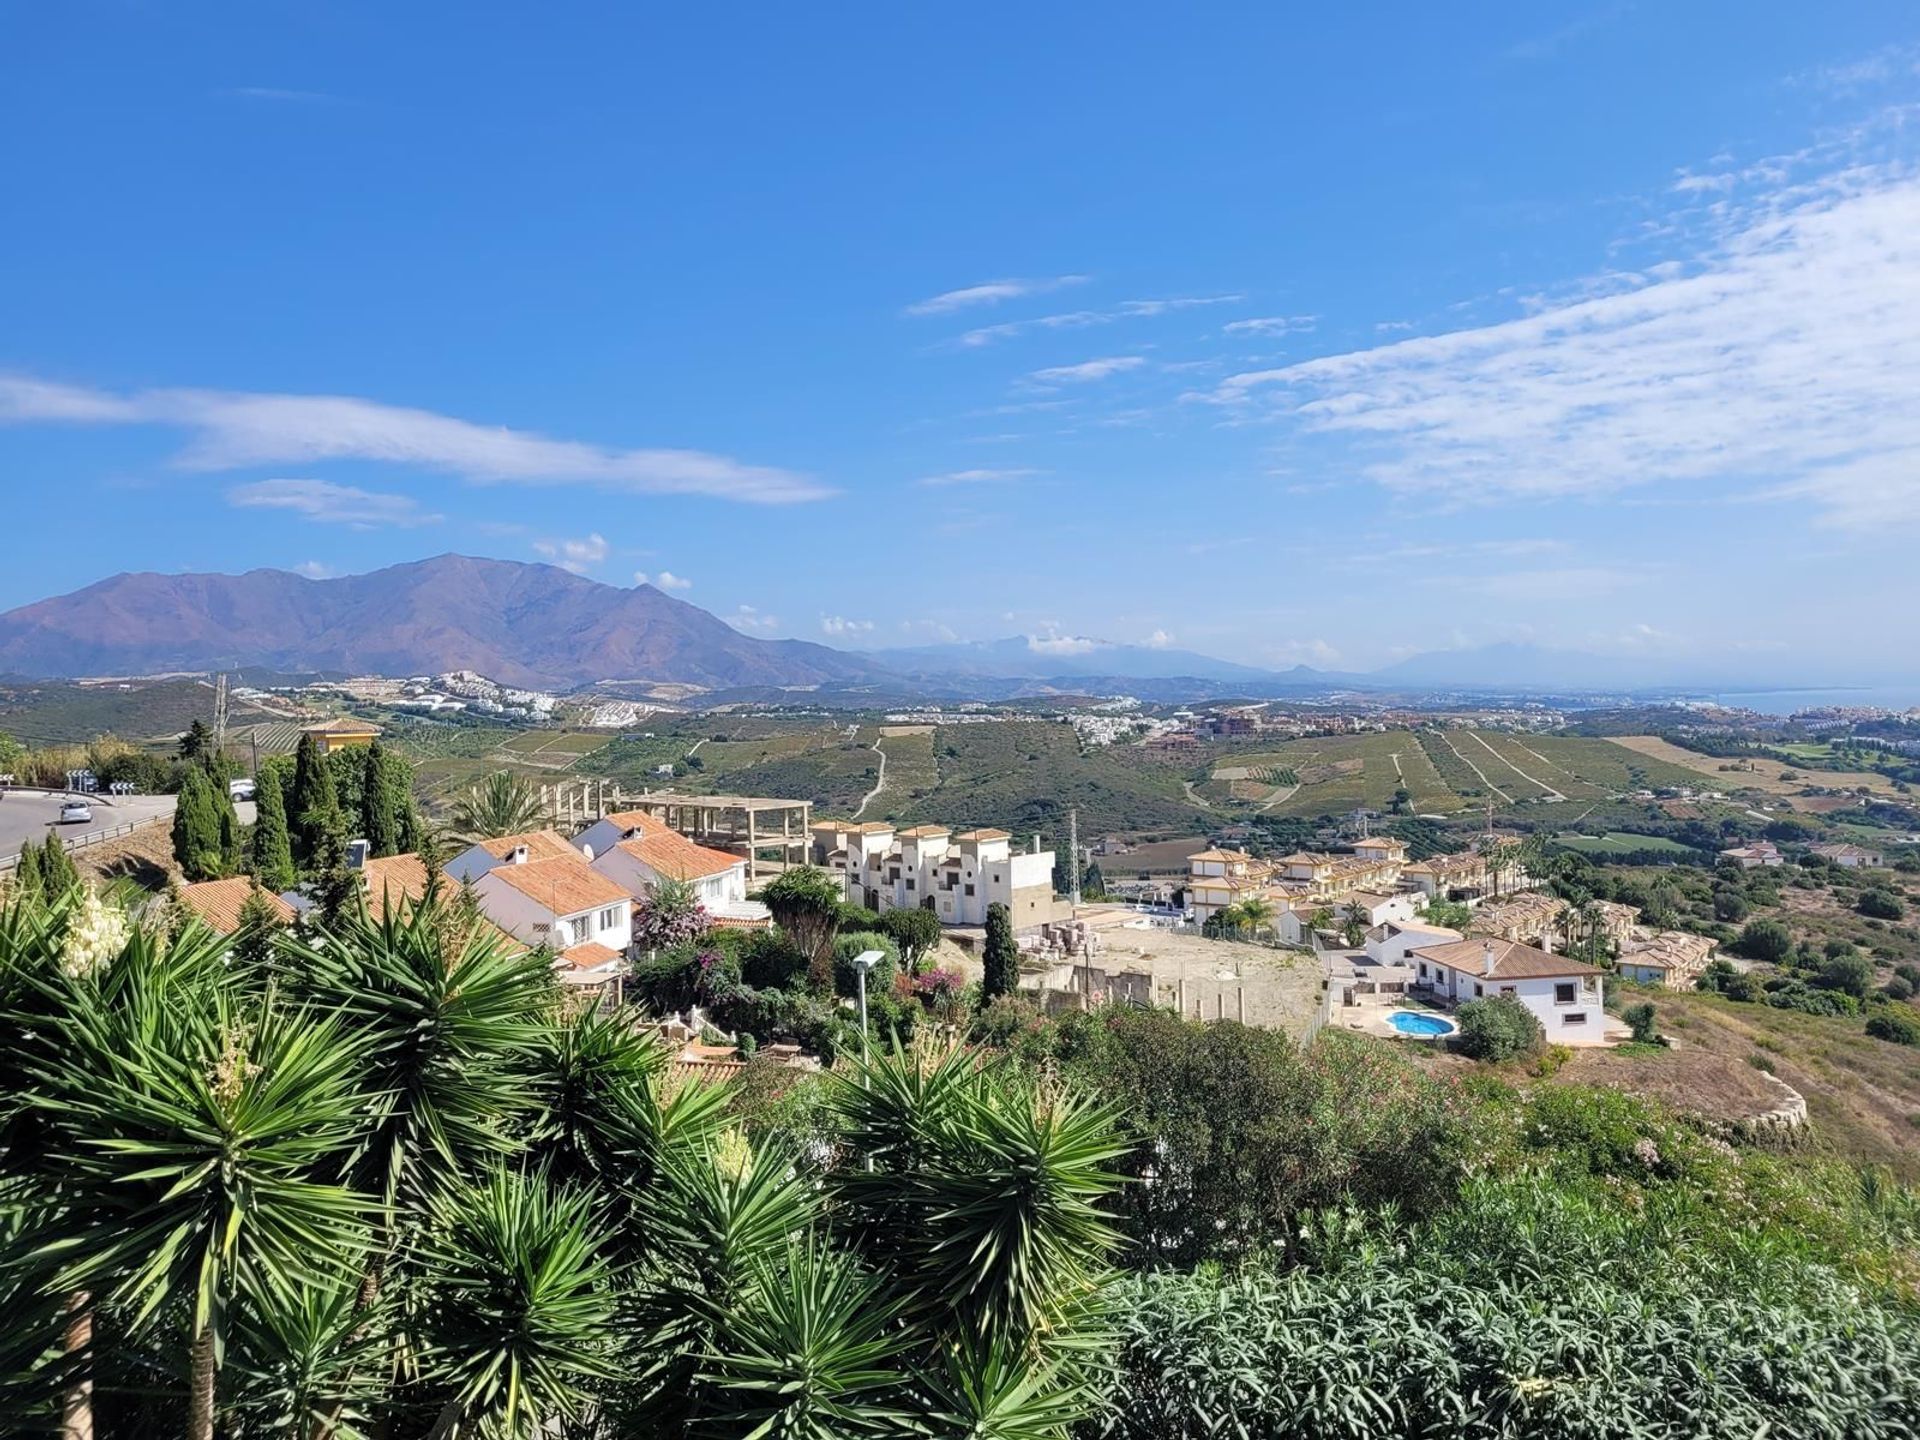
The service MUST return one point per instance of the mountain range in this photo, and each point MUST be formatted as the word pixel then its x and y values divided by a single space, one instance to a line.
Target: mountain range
pixel 521 624
pixel 539 625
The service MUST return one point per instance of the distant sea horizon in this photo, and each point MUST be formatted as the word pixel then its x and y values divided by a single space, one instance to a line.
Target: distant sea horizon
pixel 1785 702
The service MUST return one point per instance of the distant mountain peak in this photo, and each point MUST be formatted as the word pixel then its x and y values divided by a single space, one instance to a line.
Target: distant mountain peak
pixel 522 623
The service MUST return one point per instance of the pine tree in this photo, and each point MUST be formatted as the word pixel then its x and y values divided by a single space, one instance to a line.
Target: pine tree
pixel 1001 958
pixel 313 808
pixel 196 827
pixel 197 743
pixel 272 847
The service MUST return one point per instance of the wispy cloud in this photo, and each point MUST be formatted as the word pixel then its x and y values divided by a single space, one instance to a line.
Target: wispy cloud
pixel 330 504
pixel 233 430
pixel 664 580
pixel 840 628
pixel 1080 319
pixel 977 477
pixel 1087 370
pixel 1064 644
pixel 578 555
pixel 314 570
pixel 1271 325
pixel 748 618
pixel 1849 77
pixel 275 94
pixel 1779 362
pixel 1158 640
pixel 989 292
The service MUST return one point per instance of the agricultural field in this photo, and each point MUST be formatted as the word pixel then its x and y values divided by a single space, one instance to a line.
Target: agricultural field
pixel 55 712
pixel 1332 774
pixel 1618 843
pixel 1755 773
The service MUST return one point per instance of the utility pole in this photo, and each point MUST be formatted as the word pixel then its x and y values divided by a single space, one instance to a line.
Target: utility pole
pixel 1073 857
pixel 220 714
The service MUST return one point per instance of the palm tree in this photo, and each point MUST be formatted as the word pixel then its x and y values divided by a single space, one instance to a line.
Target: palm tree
pixel 501 804
pixel 1256 913
pixel 1353 923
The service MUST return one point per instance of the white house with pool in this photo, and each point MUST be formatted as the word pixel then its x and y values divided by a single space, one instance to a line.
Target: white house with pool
pixel 1565 995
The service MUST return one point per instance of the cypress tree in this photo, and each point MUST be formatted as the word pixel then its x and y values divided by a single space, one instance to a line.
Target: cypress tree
pixel 27 886
pixel 196 827
pixel 1000 962
pixel 314 807
pixel 58 873
pixel 272 847
pixel 253 937
pixel 379 805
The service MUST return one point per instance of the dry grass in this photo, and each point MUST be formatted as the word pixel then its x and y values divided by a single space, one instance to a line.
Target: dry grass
pixel 1765 774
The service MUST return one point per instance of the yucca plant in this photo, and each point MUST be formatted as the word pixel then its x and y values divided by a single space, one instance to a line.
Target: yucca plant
pixel 501 804
pixel 520 1329
pixel 192 1128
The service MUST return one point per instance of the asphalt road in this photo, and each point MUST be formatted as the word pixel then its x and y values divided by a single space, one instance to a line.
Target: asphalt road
pixel 32 815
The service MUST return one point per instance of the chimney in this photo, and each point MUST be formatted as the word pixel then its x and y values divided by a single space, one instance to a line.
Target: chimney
pixel 518 855
pixel 357 853
pixel 1486 957
pixel 1546 940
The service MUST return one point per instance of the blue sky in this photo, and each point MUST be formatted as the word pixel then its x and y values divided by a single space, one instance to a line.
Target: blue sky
pixel 1279 336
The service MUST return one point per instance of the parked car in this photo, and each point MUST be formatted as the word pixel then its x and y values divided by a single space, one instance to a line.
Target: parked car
pixel 240 789
pixel 75 812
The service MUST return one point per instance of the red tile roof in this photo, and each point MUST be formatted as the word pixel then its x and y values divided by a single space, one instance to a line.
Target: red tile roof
pixel 590 955
pixel 566 886
pixel 1511 960
pixel 219 902
pixel 669 853
pixel 541 845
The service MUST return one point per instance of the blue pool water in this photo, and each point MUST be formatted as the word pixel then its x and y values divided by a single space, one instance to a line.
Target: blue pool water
pixel 1415 1022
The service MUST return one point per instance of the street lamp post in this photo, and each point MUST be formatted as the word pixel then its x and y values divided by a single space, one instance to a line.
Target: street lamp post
pixel 862 963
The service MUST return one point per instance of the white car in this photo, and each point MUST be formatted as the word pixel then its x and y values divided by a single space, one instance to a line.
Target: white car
pixel 240 789
pixel 75 812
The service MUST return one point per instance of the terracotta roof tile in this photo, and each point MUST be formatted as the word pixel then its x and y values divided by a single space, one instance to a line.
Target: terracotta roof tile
pixel 565 886
pixel 669 853
pixel 219 902
pixel 1511 960
pixel 541 845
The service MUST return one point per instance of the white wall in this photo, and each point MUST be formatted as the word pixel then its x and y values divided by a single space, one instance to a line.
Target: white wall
pixel 1540 995
pixel 528 920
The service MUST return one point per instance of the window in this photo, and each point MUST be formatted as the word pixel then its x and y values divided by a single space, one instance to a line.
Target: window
pixel 996 878
pixel 1577 1017
pixel 1423 969
pixel 909 882
pixel 1478 988
pixel 969 889
pixel 1565 993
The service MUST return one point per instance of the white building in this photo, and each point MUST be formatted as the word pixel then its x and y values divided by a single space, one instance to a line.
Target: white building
pixel 1761 854
pixel 1394 941
pixel 1295 923
pixel 542 891
pixel 928 867
pixel 1564 995
pixel 637 851
pixel 1853 857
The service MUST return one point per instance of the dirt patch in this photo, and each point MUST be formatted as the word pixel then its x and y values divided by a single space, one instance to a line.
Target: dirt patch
pixel 1702 1083
pixel 145 857
pixel 1755 773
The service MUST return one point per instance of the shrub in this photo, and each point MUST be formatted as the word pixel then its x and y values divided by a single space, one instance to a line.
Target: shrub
pixel 1851 974
pixel 1894 1025
pixel 1897 989
pixel 1641 1018
pixel 846 979
pixel 1880 905
pixel 1498 1029
pixel 1730 906
pixel 1766 940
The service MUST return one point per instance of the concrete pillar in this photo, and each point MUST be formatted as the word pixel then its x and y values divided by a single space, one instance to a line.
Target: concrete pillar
pixel 1241 992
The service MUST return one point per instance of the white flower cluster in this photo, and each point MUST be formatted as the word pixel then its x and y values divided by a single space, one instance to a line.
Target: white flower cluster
pixel 97 932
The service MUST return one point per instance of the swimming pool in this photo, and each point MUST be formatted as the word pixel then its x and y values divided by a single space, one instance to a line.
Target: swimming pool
pixel 1420 1023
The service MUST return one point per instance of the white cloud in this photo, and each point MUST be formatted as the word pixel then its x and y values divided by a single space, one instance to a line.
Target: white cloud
pixel 1063 645
pixel 1087 370
pixel 976 477
pixel 575 555
pixel 330 504
pixel 665 580
pixel 839 626
pixel 1079 319
pixel 1158 640
pixel 1782 362
pixel 748 618
pixel 1271 325
pixel 314 570
pixel 989 292
pixel 232 430
pixel 1317 653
